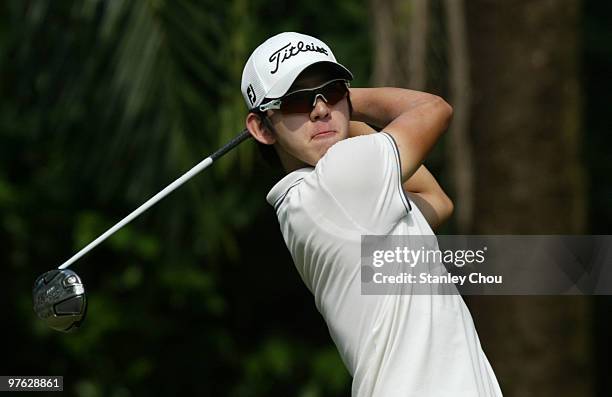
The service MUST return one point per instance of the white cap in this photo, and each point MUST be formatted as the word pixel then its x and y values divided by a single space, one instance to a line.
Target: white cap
pixel 275 64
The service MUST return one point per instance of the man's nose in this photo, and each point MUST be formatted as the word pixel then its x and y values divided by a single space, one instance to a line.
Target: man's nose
pixel 320 109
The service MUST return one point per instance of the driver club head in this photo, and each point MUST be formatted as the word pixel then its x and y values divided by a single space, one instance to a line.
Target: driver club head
pixel 59 299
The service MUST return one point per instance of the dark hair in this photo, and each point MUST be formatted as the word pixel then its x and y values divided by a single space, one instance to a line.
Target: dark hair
pixel 268 152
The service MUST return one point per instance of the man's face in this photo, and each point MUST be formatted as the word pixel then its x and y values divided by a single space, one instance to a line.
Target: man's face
pixel 306 137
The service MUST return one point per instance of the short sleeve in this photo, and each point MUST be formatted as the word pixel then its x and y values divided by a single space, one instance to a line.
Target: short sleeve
pixel 363 174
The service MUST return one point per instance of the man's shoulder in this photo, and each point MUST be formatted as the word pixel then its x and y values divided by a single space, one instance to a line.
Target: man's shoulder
pixel 357 156
pixel 356 141
pixel 358 147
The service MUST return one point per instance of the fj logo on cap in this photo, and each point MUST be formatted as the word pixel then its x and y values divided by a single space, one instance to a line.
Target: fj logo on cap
pixel 251 94
pixel 288 51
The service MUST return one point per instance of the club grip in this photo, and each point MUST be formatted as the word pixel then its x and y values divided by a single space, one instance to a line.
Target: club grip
pixel 244 134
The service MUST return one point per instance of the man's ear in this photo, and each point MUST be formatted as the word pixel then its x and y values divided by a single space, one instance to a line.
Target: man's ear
pixel 258 130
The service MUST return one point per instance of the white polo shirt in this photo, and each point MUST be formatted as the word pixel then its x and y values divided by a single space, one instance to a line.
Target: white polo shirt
pixel 392 345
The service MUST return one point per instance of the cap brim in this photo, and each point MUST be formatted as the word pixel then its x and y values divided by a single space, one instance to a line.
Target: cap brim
pixel 282 85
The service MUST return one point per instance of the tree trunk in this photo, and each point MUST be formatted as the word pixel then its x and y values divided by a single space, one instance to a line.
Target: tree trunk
pixel 417 54
pixel 529 180
pixel 459 150
pixel 400 37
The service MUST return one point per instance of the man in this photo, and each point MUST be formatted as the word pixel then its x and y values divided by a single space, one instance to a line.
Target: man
pixel 344 181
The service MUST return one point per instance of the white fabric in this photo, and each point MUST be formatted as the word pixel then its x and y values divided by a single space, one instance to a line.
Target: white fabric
pixel 392 345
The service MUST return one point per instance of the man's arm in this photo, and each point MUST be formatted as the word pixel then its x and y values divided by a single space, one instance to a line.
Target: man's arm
pixel 425 191
pixel 415 120
pixel 427 194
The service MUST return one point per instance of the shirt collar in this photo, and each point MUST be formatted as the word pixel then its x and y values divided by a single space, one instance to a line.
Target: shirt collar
pixel 281 187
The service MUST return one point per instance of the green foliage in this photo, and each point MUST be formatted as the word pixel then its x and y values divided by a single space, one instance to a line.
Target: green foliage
pixel 106 102
pixel 279 358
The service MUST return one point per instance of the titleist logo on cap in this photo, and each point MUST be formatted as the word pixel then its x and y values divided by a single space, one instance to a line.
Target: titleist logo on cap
pixel 281 55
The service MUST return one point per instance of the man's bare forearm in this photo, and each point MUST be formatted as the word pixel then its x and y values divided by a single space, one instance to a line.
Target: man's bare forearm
pixel 414 119
pixel 380 106
pixel 429 196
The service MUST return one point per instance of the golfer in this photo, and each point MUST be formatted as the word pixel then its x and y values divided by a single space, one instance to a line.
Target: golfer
pixel 345 180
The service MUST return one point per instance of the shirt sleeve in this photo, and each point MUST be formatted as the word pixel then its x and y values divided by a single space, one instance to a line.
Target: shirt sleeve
pixel 363 174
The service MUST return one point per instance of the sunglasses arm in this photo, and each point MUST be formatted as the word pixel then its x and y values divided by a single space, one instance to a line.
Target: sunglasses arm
pixel 272 105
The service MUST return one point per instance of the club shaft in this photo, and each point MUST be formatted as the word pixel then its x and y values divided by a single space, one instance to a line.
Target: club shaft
pixel 202 165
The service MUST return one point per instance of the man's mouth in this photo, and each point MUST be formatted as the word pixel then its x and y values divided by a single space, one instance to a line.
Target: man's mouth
pixel 323 134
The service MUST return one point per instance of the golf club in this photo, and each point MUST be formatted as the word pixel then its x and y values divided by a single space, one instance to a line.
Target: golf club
pixel 59 299
pixel 59 295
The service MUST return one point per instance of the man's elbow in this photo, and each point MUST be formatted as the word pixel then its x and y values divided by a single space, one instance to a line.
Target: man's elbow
pixel 444 110
pixel 446 208
pixel 450 207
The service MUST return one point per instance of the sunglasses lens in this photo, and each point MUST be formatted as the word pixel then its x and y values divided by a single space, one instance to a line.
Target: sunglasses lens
pixel 302 101
pixel 334 92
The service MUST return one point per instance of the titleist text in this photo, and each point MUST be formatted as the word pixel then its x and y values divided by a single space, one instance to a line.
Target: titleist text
pixel 288 51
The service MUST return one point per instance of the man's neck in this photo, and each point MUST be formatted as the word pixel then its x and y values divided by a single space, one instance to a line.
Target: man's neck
pixel 289 162
pixel 291 166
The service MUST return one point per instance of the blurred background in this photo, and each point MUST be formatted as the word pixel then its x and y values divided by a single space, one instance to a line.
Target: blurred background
pixel 105 102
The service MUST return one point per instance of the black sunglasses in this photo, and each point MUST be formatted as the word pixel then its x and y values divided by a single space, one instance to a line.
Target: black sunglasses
pixel 303 101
